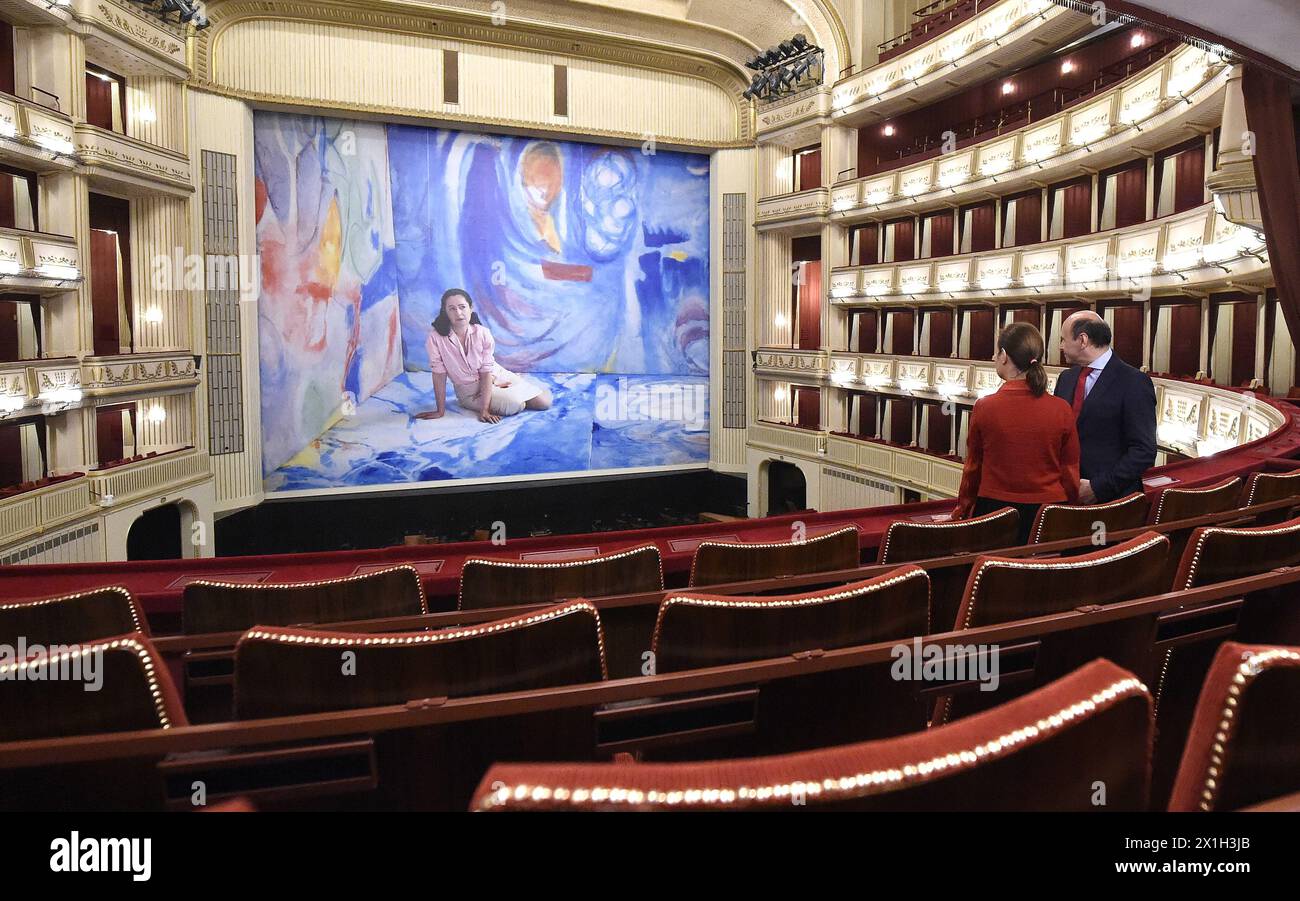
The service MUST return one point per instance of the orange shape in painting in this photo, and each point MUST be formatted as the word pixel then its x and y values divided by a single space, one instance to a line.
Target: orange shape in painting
pixel 330 253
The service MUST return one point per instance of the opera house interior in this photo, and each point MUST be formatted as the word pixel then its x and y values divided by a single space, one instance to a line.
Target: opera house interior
pixel 855 405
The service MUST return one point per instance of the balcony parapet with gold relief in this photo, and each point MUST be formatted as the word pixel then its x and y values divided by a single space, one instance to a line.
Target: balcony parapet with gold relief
pixel 1196 248
pixel 138 373
pixel 39 387
pixel 34 137
pixel 1002 36
pixel 808 365
pixel 795 121
pixel 910 466
pixel 1145 113
pixel 132 166
pixel 787 210
pixel 38 263
pixel 138 44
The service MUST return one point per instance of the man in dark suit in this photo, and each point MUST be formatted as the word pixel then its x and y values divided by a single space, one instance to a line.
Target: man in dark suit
pixel 1114 407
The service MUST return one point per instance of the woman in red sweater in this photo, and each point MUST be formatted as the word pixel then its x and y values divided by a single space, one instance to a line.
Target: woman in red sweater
pixel 1022 449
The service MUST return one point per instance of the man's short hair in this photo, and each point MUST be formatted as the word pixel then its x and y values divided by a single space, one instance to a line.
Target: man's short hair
pixel 1097 330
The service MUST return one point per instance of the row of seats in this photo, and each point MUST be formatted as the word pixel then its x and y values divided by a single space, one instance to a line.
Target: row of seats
pixel 214 607
pixel 1082 743
pixel 285 671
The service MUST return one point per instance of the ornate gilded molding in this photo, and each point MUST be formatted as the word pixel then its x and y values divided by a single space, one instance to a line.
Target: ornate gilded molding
pixel 140 163
pixel 474 28
pixel 117 374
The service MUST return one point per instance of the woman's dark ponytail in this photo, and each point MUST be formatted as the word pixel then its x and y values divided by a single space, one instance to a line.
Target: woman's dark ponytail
pixel 1023 343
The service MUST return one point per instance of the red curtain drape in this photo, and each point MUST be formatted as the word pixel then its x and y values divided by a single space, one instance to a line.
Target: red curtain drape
pixel 1030 315
pixel 940 332
pixel 108 432
pixel 938 437
pixel 867 338
pixel 810 170
pixel 809 407
pixel 940 234
pixel 7 209
pixel 1131 195
pixel 983 227
pixel 1243 343
pixel 11 455
pixel 810 306
pixel 99 102
pixel 980 322
pixel 1189 178
pixel 900 421
pixel 1127 334
pixel 6 58
pixel 1184 340
pixel 1029 218
pixel 9 332
pixel 867 416
pixel 103 292
pixel 1277 176
pixel 1078 208
pixel 866 250
pixel 904 240
pixel 902 322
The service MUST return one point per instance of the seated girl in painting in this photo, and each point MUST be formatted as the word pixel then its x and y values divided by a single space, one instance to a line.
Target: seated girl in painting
pixel 461 348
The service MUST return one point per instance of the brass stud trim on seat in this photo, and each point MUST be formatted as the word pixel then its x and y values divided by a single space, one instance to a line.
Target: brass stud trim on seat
pixel 342 580
pixel 143 655
pixel 989 517
pixel 1252 664
pixel 1131 500
pixel 1234 482
pixel 491 562
pixel 812 600
pixel 765 545
pixel 108 589
pixel 855 785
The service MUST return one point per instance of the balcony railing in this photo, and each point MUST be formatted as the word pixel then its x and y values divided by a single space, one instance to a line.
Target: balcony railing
pixel 131 165
pixel 1194 419
pixel 933 20
pixel 155 475
pixel 1195 247
pixel 38 263
pixel 35 137
pixel 789 209
pixel 118 29
pixel 1095 133
pixel 30 387
pixel 33 512
pixel 131 373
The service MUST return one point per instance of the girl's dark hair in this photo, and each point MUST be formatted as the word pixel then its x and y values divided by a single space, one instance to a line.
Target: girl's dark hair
pixel 1024 345
pixel 442 325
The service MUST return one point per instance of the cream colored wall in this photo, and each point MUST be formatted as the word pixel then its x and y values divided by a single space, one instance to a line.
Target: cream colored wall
pixel 348 67
pixel 224 125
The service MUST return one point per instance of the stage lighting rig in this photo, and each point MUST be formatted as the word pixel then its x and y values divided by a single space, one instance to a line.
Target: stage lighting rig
pixel 185 12
pixel 787 68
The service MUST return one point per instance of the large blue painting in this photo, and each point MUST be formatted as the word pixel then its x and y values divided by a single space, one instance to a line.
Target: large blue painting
pixel 588 265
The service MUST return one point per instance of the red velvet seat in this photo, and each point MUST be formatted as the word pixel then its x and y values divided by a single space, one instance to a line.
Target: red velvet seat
pixel 1057 522
pixel 1047 750
pixel 1266 487
pixel 135 691
pixel 716 562
pixel 231 607
pixel 1186 503
pixel 1219 554
pixel 1002 589
pixel 487 582
pixel 284 672
pixel 1244 743
pixel 85 616
pixel 907 541
pixel 700 630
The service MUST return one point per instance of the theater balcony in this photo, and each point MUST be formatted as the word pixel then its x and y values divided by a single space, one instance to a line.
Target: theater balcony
pixel 35 137
pixel 48 505
pixel 1197 249
pixel 1149 111
pixel 33 262
pixel 130 375
pixel 147 475
pixel 116 32
pixel 791 211
pixel 795 121
pixel 126 165
pixel 1000 37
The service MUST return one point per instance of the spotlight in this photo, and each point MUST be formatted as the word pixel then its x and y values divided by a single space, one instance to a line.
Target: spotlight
pixel 800 42
pixel 788 49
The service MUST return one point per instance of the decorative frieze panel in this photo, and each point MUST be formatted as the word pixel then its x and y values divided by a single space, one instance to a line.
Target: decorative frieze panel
pixel 141 45
pixel 807 110
pixel 810 363
pixel 111 375
pixel 134 166
pixel 790 208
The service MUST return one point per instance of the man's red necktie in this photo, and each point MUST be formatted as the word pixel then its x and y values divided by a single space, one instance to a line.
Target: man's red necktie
pixel 1080 389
